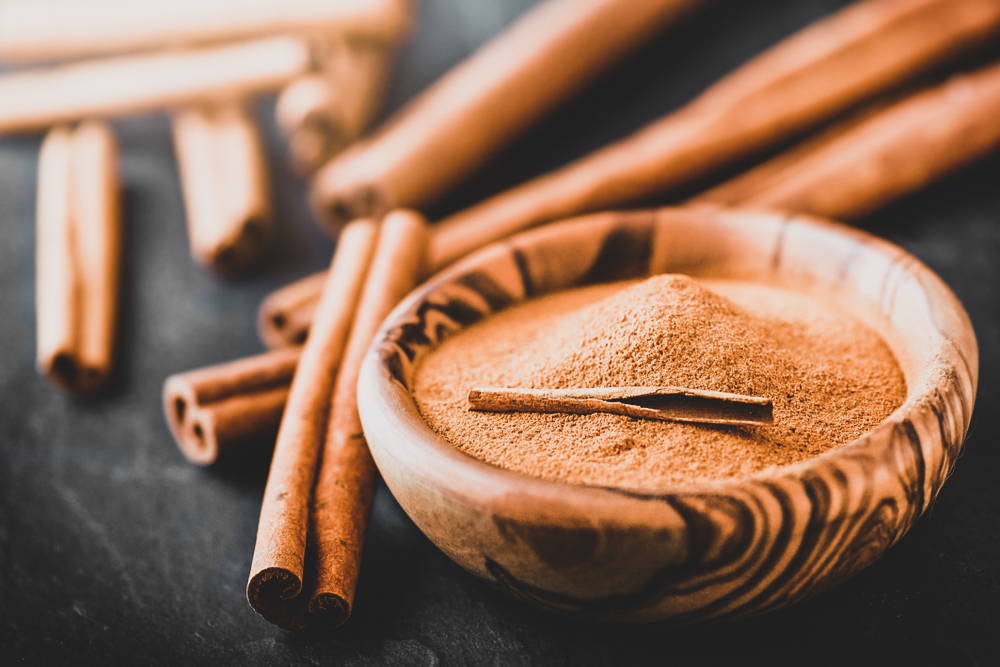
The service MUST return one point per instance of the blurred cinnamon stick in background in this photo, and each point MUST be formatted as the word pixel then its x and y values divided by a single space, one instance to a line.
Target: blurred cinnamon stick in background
pixel 323 111
pixel 819 71
pixel 77 255
pixel 37 98
pixel 224 178
pixel 878 155
pixel 212 410
pixel 479 105
pixel 285 314
pixel 853 170
pixel 34 30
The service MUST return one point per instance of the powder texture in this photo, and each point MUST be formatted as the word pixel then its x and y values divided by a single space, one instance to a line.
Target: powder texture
pixel 830 377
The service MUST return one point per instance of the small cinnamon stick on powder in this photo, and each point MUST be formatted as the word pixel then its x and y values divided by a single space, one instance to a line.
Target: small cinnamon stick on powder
pixel 284 316
pixel 287 586
pixel 37 98
pixel 857 168
pixel 476 107
pixel 817 72
pixel 323 111
pixel 277 572
pixel 224 178
pixel 212 411
pixel 59 29
pixel 677 404
pixel 77 255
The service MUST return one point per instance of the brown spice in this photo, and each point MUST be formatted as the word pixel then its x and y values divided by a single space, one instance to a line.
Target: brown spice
pixel 831 379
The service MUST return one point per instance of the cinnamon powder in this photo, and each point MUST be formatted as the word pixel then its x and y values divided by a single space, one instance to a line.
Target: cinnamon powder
pixel 831 379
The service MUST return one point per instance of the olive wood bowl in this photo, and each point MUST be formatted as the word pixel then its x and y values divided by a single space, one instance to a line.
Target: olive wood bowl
pixel 698 551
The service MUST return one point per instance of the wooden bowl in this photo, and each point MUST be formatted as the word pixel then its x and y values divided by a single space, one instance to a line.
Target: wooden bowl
pixel 704 550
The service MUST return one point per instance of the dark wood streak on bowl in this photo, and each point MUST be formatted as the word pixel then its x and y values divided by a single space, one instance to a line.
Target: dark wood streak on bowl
pixel 717 549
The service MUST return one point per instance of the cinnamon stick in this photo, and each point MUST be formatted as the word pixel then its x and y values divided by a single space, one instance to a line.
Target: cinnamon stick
pixel 857 168
pixel 287 586
pixel 476 107
pixel 212 411
pixel 284 316
pixel 345 485
pixel 677 404
pixel 77 255
pixel 817 72
pixel 276 577
pixel 224 178
pixel 37 98
pixel 323 111
pixel 32 30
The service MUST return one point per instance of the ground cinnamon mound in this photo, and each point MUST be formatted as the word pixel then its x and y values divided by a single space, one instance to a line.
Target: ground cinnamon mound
pixel 831 378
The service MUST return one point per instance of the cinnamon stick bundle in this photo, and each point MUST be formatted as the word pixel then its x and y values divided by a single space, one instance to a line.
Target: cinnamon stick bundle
pixel 78 253
pixel 323 111
pixel 32 30
pixel 224 177
pixel 817 72
pixel 476 107
pixel 279 556
pixel 287 586
pixel 854 169
pixel 37 98
pixel 212 411
pixel 284 316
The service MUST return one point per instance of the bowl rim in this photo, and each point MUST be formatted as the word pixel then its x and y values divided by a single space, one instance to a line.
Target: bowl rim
pixel 396 430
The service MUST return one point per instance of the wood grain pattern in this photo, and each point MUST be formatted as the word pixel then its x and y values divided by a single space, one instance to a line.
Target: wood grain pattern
pixel 701 551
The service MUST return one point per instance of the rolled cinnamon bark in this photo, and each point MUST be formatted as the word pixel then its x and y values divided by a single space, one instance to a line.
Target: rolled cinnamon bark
pixel 224 178
pixel 37 98
pixel 277 571
pixel 53 30
pixel 285 314
pixel 345 484
pixel 77 255
pixel 821 70
pixel 857 168
pixel 323 111
pixel 212 411
pixel 480 104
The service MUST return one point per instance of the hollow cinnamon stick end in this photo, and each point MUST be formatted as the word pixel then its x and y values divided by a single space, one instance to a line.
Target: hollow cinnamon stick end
pixel 277 327
pixel 65 369
pixel 273 593
pixel 334 210
pixel 238 255
pixel 329 611
pixel 194 437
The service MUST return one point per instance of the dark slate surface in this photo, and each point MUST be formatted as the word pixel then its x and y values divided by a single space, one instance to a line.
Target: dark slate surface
pixel 113 548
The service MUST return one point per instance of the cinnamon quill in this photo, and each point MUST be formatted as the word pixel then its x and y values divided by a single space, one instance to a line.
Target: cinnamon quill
pixel 856 168
pixel 37 98
pixel 33 30
pixel 213 411
pixel 284 316
pixel 278 569
pixel 323 111
pixel 817 72
pixel 290 585
pixel 78 254
pixel 224 178
pixel 677 404
pixel 476 107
